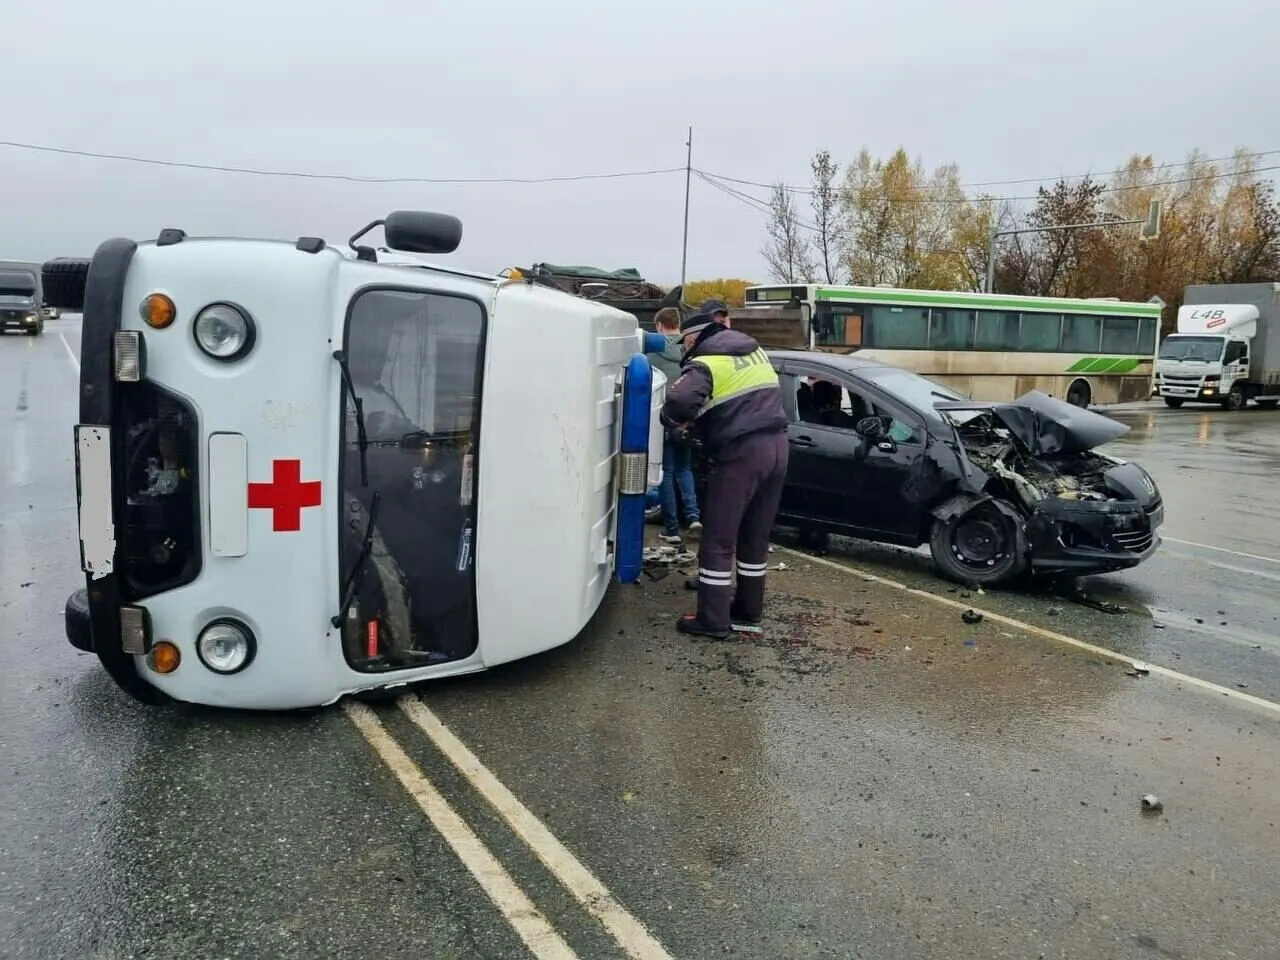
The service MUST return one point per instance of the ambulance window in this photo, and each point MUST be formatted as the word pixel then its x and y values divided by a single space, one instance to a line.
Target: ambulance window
pixel 415 361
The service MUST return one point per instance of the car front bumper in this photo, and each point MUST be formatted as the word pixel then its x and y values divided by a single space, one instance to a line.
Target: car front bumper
pixel 1082 536
pixel 19 321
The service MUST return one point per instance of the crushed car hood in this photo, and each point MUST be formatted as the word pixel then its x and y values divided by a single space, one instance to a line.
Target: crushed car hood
pixel 1045 426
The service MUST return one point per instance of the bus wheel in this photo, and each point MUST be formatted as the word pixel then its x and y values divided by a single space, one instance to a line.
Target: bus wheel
pixel 1236 399
pixel 1079 394
pixel 1174 402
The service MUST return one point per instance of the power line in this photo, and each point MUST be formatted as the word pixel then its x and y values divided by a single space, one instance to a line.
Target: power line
pixel 970 200
pixel 350 178
pixel 998 183
pixel 754 202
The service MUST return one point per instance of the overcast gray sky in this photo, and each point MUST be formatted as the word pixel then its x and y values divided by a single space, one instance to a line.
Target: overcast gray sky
pixel 499 88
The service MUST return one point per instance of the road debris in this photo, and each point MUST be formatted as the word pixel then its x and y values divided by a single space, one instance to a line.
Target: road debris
pixel 668 555
pixel 1151 803
pixel 971 617
pixel 1137 669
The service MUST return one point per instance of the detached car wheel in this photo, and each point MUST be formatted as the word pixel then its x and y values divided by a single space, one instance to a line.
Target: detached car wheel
pixel 982 546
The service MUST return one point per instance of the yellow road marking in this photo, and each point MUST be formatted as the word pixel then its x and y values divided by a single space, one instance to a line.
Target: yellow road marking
pixel 518 910
pixel 630 933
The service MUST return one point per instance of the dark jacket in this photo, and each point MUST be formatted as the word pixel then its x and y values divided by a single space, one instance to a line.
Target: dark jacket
pixel 759 411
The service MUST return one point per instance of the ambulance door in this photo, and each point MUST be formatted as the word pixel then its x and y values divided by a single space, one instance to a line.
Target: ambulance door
pixel 414 359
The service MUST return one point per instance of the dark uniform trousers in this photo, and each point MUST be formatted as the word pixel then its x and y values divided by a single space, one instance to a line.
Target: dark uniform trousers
pixel 739 508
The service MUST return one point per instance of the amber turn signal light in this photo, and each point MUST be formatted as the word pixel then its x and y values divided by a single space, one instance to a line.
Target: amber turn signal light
pixel 164 657
pixel 158 311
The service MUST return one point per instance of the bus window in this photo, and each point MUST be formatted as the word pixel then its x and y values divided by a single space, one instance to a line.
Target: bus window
pixel 1119 334
pixel 838 326
pixel 1081 333
pixel 1147 334
pixel 1040 332
pixel 996 330
pixel 950 329
pixel 900 328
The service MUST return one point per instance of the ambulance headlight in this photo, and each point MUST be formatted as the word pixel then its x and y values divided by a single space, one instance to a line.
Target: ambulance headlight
pixel 225 646
pixel 224 331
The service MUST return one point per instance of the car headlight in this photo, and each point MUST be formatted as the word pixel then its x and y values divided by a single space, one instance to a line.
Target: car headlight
pixel 223 331
pixel 225 646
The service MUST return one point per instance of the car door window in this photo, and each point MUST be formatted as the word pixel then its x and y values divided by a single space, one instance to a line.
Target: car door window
pixel 841 405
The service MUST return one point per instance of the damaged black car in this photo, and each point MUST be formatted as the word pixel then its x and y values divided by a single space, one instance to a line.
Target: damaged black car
pixel 997 490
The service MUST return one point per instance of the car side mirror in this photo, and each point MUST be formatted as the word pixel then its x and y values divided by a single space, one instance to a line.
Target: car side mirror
pixel 870 428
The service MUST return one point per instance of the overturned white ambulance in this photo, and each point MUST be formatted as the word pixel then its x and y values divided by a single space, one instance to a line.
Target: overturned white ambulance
pixel 306 471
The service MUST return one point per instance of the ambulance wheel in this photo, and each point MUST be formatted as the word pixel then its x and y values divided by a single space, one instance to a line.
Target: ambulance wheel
pixel 1079 394
pixel 76 619
pixel 1173 402
pixel 63 282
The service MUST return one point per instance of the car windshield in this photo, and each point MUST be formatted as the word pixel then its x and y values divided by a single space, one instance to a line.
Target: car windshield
pixel 920 392
pixel 17 284
pixel 1204 349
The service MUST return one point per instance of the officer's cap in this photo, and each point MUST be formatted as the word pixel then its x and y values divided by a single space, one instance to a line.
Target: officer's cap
pixel 695 324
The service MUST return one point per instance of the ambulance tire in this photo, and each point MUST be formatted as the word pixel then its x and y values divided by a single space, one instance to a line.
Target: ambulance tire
pixel 76 619
pixel 64 282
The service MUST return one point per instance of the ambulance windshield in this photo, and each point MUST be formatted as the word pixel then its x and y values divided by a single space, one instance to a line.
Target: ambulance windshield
pixel 414 360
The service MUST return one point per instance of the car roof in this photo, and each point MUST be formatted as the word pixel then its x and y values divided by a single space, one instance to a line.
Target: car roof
pixel 837 361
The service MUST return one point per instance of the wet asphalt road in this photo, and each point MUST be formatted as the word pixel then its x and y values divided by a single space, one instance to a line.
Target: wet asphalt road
pixel 874 778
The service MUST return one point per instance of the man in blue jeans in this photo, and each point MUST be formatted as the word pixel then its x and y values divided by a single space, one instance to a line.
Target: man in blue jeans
pixel 677 460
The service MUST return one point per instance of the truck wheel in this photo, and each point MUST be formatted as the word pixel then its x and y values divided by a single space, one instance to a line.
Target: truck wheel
pixel 1236 399
pixel 979 546
pixel 1174 402
pixel 1079 394
pixel 63 282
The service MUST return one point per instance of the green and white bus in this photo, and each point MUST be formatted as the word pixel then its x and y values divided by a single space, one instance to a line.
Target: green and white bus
pixel 986 346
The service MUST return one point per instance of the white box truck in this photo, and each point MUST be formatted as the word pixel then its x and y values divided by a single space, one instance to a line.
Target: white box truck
pixel 1225 349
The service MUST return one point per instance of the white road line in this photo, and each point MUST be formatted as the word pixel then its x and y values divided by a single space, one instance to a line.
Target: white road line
pixel 1156 670
pixel 75 361
pixel 1234 553
pixel 531 926
pixel 630 933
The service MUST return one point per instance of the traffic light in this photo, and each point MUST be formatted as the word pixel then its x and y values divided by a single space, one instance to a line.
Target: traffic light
pixel 1151 226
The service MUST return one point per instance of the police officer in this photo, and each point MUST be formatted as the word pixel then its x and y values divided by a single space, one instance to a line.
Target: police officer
pixel 729 393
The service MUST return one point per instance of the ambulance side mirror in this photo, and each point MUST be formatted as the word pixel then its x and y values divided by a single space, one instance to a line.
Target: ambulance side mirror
pixel 417 231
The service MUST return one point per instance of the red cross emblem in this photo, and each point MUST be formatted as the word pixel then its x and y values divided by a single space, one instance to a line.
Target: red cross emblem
pixel 285 496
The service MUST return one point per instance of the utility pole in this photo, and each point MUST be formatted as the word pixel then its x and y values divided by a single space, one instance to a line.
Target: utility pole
pixel 688 175
pixel 1150 230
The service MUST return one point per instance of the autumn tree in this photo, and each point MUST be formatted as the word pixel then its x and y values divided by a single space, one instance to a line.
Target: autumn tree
pixel 787 254
pixel 897 223
pixel 1048 263
pixel 828 221
pixel 906 227
pixel 731 291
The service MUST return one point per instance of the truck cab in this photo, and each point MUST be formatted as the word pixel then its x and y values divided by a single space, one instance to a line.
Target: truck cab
pixel 21 302
pixel 1223 348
